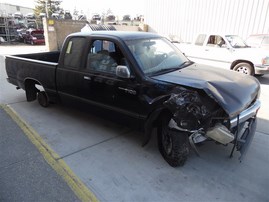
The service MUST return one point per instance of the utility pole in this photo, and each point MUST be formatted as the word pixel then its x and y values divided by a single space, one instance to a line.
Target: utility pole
pixel 46 7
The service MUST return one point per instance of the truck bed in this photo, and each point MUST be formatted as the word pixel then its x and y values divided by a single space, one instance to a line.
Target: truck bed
pixel 38 66
pixel 45 56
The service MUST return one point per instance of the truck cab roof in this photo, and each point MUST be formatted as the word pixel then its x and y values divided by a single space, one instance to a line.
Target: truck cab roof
pixel 125 35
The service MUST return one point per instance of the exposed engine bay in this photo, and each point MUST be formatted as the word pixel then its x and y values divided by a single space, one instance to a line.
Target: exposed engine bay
pixel 204 119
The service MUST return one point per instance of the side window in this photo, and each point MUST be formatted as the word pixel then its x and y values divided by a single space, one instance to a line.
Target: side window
pixel 104 56
pixel 200 40
pixel 73 53
pixel 215 41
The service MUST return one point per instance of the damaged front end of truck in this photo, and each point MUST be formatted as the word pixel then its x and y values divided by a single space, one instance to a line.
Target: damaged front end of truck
pixel 202 104
pixel 201 118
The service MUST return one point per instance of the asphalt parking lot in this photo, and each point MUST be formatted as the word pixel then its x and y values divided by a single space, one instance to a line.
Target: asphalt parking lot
pixel 109 160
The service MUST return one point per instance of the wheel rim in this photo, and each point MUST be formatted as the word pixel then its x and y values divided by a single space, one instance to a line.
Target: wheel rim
pixel 244 70
pixel 167 141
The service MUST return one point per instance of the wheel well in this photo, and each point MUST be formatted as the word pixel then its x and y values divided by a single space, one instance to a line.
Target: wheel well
pixel 241 61
pixel 163 113
pixel 31 89
pixel 153 120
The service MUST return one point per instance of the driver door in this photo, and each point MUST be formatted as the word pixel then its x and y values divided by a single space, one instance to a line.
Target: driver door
pixel 216 52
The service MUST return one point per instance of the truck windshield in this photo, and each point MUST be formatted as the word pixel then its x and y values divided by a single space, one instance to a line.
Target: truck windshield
pixel 157 56
pixel 236 41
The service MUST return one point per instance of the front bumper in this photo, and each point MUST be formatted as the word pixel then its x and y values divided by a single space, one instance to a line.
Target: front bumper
pixel 261 69
pixel 246 114
pixel 246 124
pixel 245 140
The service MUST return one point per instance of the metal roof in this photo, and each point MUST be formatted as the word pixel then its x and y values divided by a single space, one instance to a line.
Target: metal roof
pixel 102 27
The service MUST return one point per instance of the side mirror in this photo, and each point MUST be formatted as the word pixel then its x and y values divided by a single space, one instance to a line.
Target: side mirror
pixel 123 72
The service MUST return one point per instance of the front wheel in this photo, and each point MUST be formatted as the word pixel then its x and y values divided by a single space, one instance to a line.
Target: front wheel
pixel 42 99
pixel 173 144
pixel 244 67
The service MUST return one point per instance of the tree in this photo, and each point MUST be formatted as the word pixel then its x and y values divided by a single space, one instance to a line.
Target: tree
pixel 126 18
pixel 48 7
pixel 110 16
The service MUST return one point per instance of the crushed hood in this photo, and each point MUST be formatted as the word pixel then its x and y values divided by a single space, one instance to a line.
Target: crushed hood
pixel 233 91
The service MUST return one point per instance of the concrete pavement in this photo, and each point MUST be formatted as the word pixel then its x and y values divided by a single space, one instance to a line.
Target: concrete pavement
pixel 109 160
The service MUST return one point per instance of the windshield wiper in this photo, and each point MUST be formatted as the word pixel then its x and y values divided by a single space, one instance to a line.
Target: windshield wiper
pixel 166 70
pixel 162 71
pixel 185 64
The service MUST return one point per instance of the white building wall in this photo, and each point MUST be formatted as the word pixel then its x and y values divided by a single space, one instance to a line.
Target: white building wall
pixel 187 18
pixel 6 9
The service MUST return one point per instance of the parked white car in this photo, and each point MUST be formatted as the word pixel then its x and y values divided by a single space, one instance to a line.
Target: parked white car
pixel 227 51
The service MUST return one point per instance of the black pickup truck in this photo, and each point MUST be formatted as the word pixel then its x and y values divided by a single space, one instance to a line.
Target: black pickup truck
pixel 145 77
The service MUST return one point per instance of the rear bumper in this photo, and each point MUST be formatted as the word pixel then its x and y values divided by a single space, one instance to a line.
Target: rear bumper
pixel 39 41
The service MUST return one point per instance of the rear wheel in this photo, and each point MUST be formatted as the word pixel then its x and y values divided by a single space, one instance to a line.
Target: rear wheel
pixel 42 99
pixel 173 144
pixel 244 67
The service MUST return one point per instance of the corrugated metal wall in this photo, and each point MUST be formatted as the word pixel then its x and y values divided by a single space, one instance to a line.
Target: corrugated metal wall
pixel 187 18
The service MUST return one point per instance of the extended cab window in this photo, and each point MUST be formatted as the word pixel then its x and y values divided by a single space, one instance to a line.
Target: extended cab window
pixel 104 56
pixel 73 52
pixel 200 40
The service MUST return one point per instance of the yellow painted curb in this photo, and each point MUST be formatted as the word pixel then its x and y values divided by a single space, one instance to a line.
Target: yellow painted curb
pixel 81 191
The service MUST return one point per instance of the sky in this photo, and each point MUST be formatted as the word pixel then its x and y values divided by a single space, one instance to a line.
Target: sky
pixel 118 7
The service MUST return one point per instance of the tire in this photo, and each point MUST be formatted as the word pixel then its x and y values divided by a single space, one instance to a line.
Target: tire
pixel 244 68
pixel 173 144
pixel 43 99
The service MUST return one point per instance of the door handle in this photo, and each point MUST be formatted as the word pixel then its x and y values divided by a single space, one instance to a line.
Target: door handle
pixel 127 90
pixel 87 78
